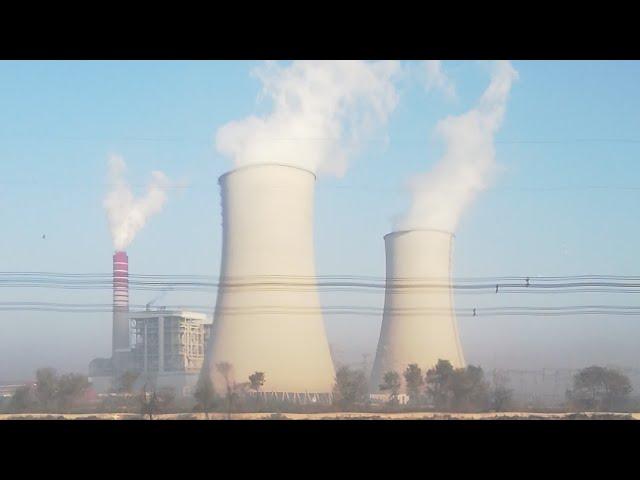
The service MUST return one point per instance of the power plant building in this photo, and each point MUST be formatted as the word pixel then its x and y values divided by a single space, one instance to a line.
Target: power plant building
pixel 169 347
pixel 168 352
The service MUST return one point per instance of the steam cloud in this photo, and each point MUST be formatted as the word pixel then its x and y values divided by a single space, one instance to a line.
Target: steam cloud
pixel 439 197
pixel 322 111
pixel 127 214
pixel 436 79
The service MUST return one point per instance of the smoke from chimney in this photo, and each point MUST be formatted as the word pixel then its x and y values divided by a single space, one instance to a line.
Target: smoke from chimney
pixel 441 195
pixel 322 110
pixel 126 213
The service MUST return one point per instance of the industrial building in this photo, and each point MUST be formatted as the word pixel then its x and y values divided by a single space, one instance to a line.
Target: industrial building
pixel 168 351
pixel 268 316
pixel 419 323
pixel 169 348
pixel 165 348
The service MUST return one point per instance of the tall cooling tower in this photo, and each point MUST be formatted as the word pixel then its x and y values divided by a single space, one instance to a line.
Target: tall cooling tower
pixel 419 324
pixel 268 315
pixel 120 341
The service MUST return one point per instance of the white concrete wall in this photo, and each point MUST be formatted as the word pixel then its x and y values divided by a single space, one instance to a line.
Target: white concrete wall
pixel 268 315
pixel 418 324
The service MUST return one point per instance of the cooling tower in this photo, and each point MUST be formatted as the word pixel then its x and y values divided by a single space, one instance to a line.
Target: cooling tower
pixel 418 324
pixel 120 341
pixel 268 315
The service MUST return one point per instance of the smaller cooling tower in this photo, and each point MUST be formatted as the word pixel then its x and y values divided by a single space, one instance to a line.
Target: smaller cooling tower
pixel 418 324
pixel 268 316
pixel 120 342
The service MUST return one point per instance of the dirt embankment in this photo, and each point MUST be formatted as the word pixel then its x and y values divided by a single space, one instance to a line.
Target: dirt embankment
pixel 335 416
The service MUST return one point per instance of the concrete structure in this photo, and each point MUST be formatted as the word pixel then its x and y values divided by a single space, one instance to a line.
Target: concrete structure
pixel 419 324
pixel 102 371
pixel 169 348
pixel 121 347
pixel 268 315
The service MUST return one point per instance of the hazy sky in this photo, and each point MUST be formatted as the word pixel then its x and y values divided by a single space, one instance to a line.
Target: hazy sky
pixel 563 202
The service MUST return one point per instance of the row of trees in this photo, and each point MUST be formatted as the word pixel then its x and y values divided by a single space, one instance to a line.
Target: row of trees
pixel 50 392
pixel 442 387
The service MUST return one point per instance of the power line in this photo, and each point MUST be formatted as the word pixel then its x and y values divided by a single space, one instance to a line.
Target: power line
pixel 332 310
pixel 330 283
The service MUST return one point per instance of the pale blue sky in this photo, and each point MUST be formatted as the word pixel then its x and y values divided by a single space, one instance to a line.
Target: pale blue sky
pixel 569 127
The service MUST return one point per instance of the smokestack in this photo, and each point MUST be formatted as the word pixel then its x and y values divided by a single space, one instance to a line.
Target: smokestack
pixel 419 324
pixel 120 303
pixel 268 315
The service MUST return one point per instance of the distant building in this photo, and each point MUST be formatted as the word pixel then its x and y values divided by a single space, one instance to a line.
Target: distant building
pixel 167 352
pixel 169 347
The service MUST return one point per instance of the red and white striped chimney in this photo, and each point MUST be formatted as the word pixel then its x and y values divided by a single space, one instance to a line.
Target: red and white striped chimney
pixel 120 302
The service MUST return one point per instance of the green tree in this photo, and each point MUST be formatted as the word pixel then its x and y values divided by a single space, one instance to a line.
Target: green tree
pixel 205 394
pixel 599 388
pixel 148 402
pixel 391 383
pixel 256 381
pixel 459 389
pixel 70 387
pixel 414 382
pixel 225 369
pixel 501 396
pixel 438 384
pixel 469 389
pixel 350 387
pixel 46 387
pixel 22 399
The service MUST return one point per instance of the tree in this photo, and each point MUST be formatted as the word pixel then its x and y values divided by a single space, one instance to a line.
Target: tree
pixel 225 369
pixel 70 387
pixel 501 395
pixel 256 381
pixel 22 399
pixel 148 402
pixel 46 387
pixel 469 389
pixel 126 381
pixel 438 380
pixel 461 388
pixel 599 388
pixel 391 383
pixel 205 394
pixel 414 381
pixel 350 387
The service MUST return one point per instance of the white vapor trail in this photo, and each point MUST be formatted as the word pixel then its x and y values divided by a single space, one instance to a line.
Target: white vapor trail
pixel 322 111
pixel 126 213
pixel 439 197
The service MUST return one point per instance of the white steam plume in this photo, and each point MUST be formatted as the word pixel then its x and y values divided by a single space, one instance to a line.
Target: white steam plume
pixel 127 214
pixel 437 79
pixel 322 111
pixel 440 196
